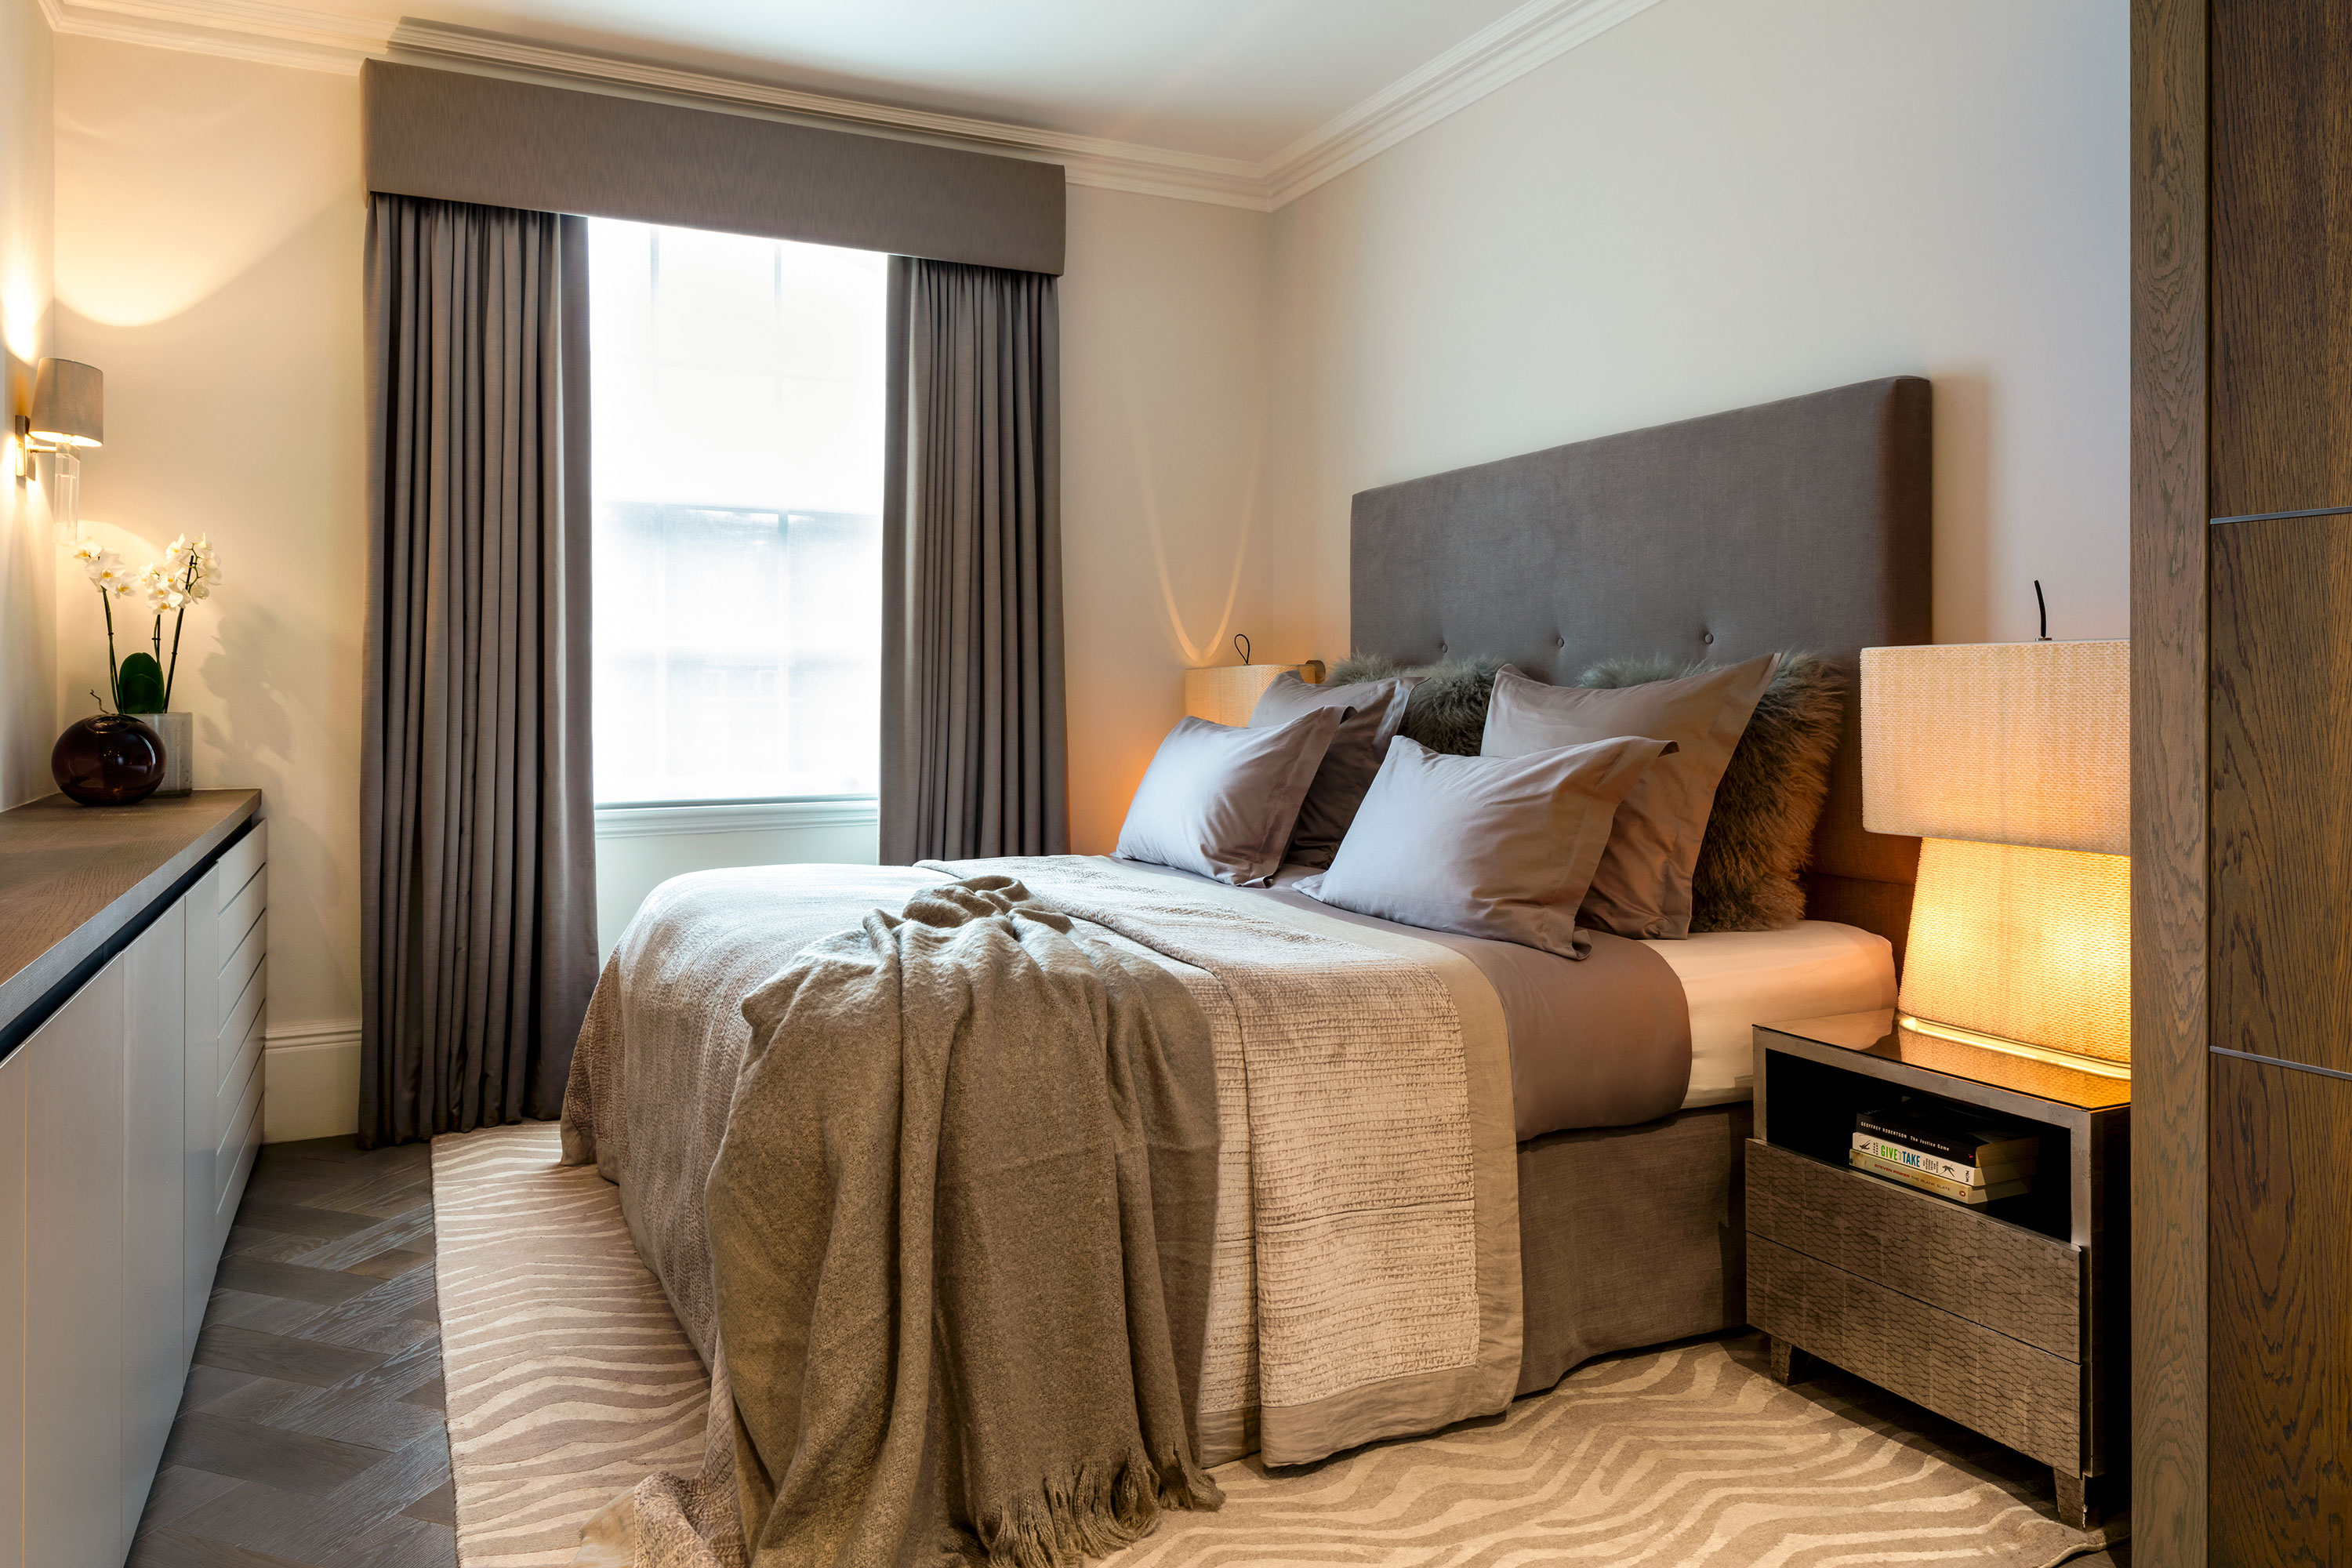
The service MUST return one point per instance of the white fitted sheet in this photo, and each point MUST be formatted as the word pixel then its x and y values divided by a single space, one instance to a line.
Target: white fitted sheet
pixel 1736 979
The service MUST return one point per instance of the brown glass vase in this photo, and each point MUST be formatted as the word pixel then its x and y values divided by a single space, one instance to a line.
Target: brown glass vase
pixel 107 759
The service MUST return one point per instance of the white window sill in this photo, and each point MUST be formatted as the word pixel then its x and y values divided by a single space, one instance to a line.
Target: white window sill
pixel 734 816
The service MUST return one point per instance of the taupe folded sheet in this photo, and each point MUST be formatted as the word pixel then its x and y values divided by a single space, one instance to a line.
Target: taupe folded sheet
pixel 1601 1043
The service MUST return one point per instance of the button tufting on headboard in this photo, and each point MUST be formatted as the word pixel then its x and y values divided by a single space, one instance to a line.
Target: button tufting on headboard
pixel 1804 521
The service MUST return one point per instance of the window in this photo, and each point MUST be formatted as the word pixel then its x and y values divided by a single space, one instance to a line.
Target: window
pixel 737 414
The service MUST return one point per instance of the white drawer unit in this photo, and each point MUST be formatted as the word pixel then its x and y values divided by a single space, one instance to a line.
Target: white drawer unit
pixel 129 1116
pixel 242 897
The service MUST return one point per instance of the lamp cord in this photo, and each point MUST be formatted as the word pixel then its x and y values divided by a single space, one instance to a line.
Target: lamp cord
pixel 1242 644
pixel 2043 605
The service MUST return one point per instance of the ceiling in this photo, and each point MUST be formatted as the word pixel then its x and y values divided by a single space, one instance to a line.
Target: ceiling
pixel 1234 79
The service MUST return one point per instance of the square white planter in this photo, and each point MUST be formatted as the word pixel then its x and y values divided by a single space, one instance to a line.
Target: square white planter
pixel 179 734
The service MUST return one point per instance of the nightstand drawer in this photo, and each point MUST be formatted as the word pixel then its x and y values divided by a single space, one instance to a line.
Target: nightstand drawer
pixel 2009 1391
pixel 2024 1286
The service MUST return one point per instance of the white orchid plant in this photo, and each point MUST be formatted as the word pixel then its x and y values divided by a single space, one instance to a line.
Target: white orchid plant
pixel 187 574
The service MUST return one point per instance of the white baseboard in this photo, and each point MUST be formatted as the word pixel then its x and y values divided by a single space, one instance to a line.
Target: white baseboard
pixel 311 1082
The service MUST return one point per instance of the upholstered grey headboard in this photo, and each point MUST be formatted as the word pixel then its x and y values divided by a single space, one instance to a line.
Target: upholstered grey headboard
pixel 1797 524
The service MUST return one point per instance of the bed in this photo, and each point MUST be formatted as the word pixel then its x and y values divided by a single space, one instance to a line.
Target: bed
pixel 1611 1220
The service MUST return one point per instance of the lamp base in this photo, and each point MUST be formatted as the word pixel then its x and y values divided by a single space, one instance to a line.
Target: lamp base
pixel 2099 1066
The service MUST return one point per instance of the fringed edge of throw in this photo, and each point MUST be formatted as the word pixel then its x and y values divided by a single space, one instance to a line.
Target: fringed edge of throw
pixel 1090 1515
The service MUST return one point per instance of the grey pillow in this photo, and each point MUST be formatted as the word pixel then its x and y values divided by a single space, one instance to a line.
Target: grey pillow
pixel 1371 710
pixel 1495 846
pixel 1643 884
pixel 1221 801
pixel 1760 833
pixel 1447 709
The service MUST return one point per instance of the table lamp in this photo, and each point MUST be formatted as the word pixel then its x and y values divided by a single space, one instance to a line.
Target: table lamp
pixel 2012 763
pixel 1227 693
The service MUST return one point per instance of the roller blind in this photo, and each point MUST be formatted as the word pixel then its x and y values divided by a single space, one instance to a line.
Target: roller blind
pixel 461 137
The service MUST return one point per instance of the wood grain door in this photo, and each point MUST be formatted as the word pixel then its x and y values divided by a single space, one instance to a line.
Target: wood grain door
pixel 2279 1245
pixel 2281 256
pixel 2281 1317
pixel 2279 1291
pixel 2282 789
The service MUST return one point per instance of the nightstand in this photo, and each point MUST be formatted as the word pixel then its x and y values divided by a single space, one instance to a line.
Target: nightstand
pixel 2012 1318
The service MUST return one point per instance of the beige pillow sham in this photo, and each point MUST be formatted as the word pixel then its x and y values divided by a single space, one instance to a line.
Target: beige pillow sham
pixel 1643 886
pixel 1494 846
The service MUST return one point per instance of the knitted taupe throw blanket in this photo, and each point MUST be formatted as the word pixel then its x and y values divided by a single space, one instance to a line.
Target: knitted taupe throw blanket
pixel 960 1227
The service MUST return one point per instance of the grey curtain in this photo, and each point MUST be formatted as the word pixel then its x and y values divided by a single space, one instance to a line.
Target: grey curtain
pixel 477 870
pixel 973 760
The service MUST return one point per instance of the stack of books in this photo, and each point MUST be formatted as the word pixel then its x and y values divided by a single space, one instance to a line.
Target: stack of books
pixel 1942 1150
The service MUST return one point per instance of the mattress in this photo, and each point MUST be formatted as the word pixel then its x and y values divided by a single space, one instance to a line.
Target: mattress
pixel 1621 997
pixel 1736 979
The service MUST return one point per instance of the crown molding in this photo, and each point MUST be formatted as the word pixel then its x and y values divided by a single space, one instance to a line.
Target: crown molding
pixel 277 34
pixel 1499 53
pixel 1089 159
pixel 259 30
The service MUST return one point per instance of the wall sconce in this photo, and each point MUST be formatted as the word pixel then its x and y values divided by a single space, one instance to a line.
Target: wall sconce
pixel 69 413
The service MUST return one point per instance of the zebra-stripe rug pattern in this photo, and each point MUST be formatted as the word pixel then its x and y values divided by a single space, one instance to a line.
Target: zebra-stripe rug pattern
pixel 568 1380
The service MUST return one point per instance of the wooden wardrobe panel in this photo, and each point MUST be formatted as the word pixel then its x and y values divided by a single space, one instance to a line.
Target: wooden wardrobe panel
pixel 2170 537
pixel 2282 1316
pixel 2282 813
pixel 2282 254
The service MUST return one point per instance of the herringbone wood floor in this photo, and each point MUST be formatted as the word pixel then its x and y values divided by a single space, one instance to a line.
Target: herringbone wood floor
pixel 310 1433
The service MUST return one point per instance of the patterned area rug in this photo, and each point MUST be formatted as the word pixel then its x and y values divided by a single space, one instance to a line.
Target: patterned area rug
pixel 568 1380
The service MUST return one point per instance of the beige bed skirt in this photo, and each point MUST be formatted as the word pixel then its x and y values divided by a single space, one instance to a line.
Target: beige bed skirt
pixel 1630 1236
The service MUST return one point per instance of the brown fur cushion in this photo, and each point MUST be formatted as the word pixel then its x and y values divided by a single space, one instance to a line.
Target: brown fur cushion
pixel 1760 833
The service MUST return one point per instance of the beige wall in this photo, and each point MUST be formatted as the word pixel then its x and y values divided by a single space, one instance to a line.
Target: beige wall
pixel 28 714
pixel 208 255
pixel 1712 203
pixel 1167 533
pixel 208 246
pixel 1717 203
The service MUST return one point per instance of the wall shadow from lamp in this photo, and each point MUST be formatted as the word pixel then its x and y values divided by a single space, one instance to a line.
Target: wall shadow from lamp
pixel 2012 762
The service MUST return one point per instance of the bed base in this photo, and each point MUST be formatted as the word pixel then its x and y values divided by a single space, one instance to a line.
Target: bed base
pixel 1630 1236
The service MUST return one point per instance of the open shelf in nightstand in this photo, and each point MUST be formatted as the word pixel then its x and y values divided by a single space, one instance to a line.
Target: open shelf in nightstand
pixel 1816 1104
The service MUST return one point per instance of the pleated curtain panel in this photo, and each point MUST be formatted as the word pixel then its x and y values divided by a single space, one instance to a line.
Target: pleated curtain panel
pixel 476 809
pixel 973 755
pixel 477 822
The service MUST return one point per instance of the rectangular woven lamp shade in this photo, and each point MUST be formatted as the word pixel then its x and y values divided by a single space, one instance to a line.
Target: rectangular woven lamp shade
pixel 1227 693
pixel 2011 763
pixel 1999 742
pixel 2024 944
